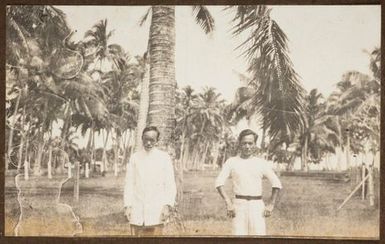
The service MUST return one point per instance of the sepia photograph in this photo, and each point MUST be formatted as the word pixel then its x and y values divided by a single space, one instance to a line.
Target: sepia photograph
pixel 192 121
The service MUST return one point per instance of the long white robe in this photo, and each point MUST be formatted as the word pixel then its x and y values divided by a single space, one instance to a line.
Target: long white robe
pixel 149 186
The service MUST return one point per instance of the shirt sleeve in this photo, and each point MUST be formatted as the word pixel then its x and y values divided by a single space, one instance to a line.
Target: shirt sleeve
pixel 170 185
pixel 224 174
pixel 272 176
pixel 129 184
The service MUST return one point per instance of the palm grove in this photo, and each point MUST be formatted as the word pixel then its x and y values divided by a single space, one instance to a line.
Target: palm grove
pixel 96 86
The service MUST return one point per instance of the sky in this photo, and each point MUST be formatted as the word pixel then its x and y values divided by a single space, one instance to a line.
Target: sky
pixel 324 41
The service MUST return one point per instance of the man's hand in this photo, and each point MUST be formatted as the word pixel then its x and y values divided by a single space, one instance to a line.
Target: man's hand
pixel 268 210
pixel 229 204
pixel 230 210
pixel 165 214
pixel 127 213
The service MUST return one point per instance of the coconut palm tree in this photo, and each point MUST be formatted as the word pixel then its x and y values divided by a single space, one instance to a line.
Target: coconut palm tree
pixel 98 39
pixel 318 135
pixel 187 101
pixel 121 85
pixel 144 99
pixel 35 34
pixel 16 91
pixel 26 22
pixel 208 123
pixel 161 50
pixel 92 110
pixel 354 89
pixel 88 106
pixel 241 107
pixel 375 63
pixel 359 106
pixel 278 94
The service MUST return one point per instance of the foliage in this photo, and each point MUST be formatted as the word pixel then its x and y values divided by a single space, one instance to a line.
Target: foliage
pixel 200 122
pixel 37 47
pixel 278 94
pixel 357 105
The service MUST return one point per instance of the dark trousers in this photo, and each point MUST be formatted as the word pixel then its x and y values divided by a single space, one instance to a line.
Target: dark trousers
pixel 153 230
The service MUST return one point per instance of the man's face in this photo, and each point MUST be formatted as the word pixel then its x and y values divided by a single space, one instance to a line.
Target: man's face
pixel 149 139
pixel 247 146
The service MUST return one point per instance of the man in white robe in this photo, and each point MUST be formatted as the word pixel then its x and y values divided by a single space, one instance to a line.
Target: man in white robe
pixel 246 171
pixel 150 189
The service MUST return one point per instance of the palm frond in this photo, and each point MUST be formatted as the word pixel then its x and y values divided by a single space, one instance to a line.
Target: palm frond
pixel 278 95
pixel 204 18
pixel 19 32
pixel 144 17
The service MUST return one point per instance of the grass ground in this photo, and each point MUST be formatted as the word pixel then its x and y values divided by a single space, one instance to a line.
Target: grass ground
pixel 307 207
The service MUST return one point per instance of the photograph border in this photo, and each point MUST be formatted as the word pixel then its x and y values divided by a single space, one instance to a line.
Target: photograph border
pixel 264 240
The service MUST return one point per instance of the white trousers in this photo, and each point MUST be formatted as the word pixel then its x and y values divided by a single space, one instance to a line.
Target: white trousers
pixel 249 219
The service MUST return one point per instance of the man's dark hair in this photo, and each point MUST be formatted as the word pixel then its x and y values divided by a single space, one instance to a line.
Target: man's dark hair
pixel 151 128
pixel 246 133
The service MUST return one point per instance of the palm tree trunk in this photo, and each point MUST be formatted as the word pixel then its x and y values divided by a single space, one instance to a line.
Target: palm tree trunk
pixel 116 155
pixel 93 149
pixel 204 156
pixel 195 153
pixel 179 181
pixel 49 165
pixel 11 133
pixel 89 142
pixel 128 135
pixel 216 154
pixel 290 165
pixel 90 145
pixel 347 151
pixel 66 126
pixel 66 122
pixel 27 159
pixel 263 135
pixel 104 158
pixel 224 156
pixel 37 165
pixel 22 138
pixel 199 149
pixel 339 151
pixel 186 156
pixel 181 156
pixel 197 157
pixel 131 143
pixel 194 159
pixel 143 104
pixel 162 72
pixel 304 155
pixel 327 160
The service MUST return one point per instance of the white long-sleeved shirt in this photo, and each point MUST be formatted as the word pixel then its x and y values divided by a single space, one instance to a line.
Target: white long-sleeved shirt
pixel 247 175
pixel 149 186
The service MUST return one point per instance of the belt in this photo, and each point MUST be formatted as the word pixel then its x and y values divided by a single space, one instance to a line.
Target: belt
pixel 248 198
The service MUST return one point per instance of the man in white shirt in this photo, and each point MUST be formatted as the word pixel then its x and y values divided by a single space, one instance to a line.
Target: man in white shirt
pixel 150 189
pixel 247 209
